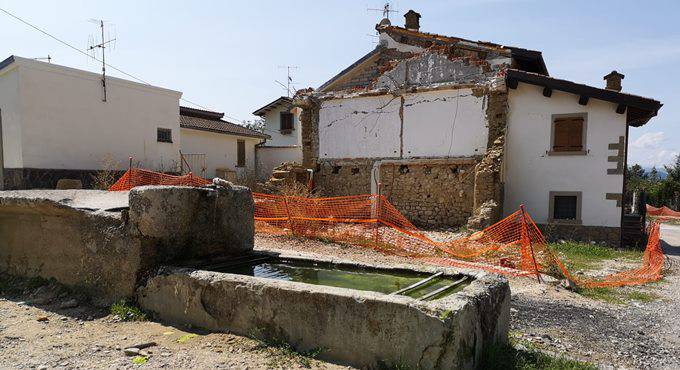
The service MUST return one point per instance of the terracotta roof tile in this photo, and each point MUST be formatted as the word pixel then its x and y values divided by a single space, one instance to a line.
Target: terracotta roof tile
pixel 197 119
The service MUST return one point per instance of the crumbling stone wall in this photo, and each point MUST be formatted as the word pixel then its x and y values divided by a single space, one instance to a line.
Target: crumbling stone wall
pixel 430 195
pixel 309 122
pixel 344 177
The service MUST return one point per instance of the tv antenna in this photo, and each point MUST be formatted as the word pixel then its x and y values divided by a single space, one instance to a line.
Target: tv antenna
pixel 289 79
pixel 103 44
pixel 386 10
pixel 48 58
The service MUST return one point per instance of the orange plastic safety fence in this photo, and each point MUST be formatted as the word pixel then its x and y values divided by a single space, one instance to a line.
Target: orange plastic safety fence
pixel 663 212
pixel 513 246
pixel 138 177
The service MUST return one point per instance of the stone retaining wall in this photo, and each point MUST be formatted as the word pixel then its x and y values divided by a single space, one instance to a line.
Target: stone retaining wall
pixel 610 236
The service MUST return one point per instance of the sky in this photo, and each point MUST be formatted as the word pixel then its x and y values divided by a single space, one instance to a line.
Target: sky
pixel 226 55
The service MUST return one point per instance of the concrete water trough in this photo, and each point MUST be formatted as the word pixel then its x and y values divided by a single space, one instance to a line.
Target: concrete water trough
pixel 310 303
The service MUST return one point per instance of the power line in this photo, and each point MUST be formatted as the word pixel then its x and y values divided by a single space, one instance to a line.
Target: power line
pixel 95 58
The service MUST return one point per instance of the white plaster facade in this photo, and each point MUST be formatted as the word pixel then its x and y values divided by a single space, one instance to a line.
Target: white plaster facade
pixel 53 117
pixel 530 174
pixel 443 123
pixel 282 146
pixel 220 150
pixel 272 127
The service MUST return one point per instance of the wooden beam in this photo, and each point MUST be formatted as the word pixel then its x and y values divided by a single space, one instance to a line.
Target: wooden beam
pixel 621 108
pixel 547 92
pixel 583 100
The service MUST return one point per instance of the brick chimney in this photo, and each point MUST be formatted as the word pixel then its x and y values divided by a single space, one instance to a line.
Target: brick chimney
pixel 412 20
pixel 614 81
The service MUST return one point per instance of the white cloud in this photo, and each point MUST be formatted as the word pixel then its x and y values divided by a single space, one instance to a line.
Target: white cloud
pixel 662 157
pixel 649 140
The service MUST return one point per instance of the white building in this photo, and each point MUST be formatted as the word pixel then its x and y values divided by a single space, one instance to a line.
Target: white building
pixel 456 131
pixel 282 124
pixel 213 147
pixel 54 124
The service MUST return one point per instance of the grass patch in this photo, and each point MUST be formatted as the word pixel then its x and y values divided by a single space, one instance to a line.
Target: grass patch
pixel 618 295
pixel 509 357
pixel 284 354
pixel 584 256
pixel 128 311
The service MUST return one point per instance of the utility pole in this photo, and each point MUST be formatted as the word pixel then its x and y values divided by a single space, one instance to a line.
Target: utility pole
pixel 102 46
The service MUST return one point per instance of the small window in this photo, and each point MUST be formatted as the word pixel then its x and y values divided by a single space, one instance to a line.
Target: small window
pixel 568 135
pixel 164 135
pixel 240 153
pixel 286 119
pixel 565 207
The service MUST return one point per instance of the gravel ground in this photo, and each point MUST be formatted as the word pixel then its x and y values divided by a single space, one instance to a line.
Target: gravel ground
pixel 39 329
pixel 632 334
pixel 44 335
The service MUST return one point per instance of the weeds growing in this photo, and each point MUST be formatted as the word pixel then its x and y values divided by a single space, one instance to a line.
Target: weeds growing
pixel 128 311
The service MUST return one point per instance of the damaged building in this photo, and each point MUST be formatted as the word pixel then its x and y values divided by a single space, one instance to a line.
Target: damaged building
pixel 456 132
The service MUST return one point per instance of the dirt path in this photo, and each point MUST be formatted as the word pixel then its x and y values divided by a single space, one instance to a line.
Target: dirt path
pixel 45 336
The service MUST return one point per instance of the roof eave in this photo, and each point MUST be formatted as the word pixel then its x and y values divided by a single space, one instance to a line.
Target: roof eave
pixel 639 110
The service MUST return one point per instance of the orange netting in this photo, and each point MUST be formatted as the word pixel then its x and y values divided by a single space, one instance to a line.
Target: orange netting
pixel 138 177
pixel 662 212
pixel 513 246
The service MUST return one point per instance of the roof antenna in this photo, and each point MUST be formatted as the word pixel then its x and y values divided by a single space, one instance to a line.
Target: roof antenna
pixel 289 80
pixel 48 58
pixel 386 10
pixel 102 45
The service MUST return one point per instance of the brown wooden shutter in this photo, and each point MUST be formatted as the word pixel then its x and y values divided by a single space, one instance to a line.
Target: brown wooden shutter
pixel 568 135
pixel 240 153
pixel 286 119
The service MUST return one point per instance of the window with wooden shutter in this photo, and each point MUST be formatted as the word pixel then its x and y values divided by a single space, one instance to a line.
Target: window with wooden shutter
pixel 286 119
pixel 240 153
pixel 568 135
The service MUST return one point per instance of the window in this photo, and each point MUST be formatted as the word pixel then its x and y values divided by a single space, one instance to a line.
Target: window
pixel 568 135
pixel 565 207
pixel 240 153
pixel 164 135
pixel 286 119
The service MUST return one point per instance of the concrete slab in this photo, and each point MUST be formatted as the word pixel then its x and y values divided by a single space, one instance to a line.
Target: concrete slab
pixel 92 200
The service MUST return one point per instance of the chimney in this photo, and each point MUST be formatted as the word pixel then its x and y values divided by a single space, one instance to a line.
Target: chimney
pixel 412 20
pixel 614 81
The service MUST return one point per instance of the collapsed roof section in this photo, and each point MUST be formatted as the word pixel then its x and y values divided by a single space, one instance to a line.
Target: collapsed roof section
pixel 409 58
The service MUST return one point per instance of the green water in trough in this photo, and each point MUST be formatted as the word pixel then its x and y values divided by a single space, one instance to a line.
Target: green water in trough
pixel 345 276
